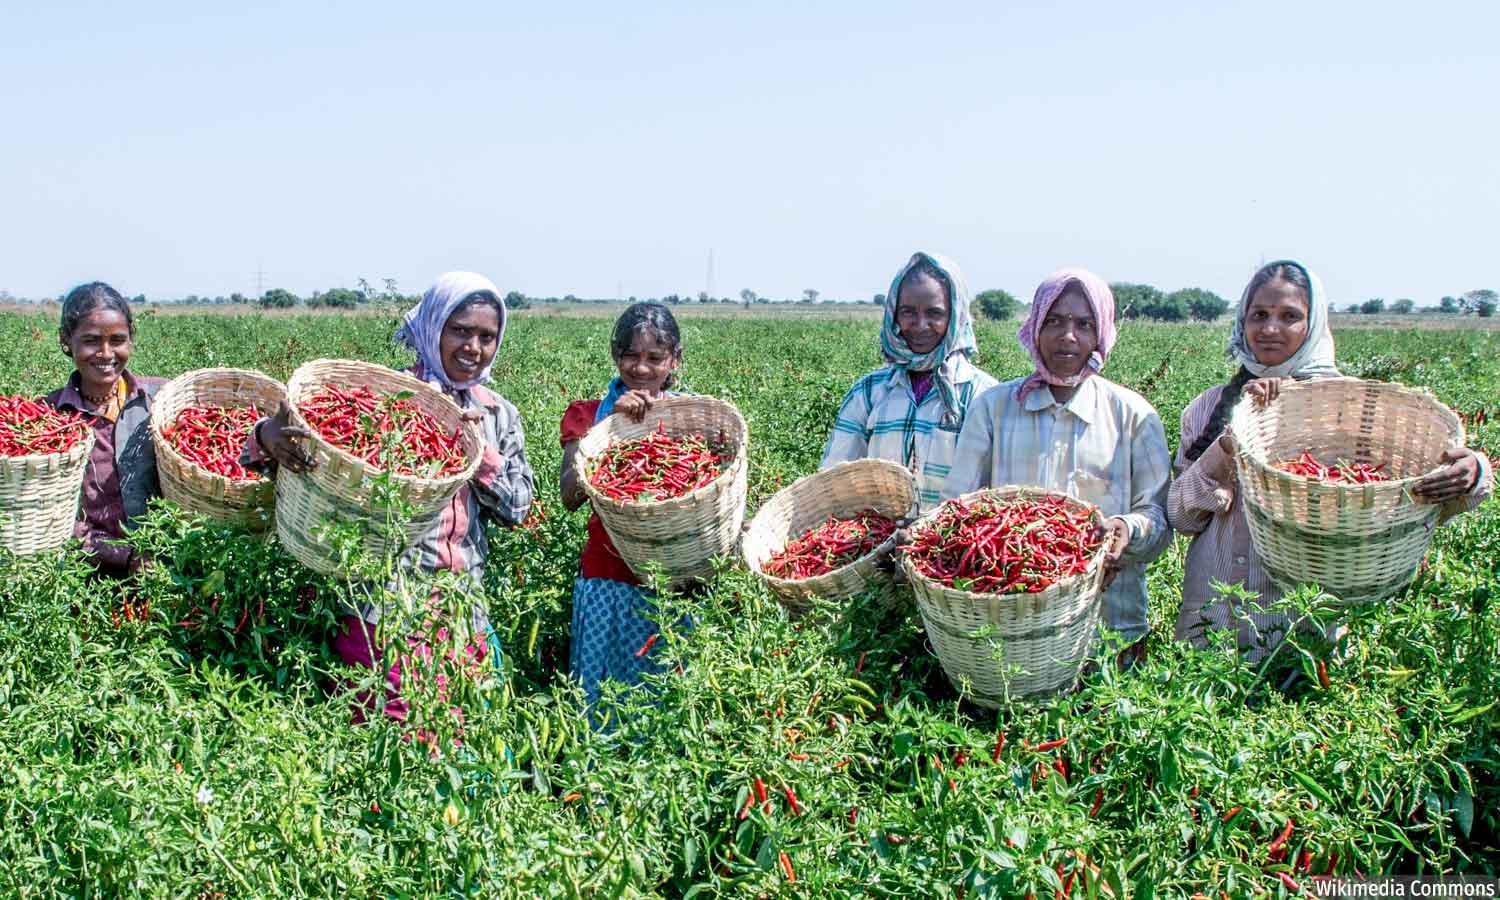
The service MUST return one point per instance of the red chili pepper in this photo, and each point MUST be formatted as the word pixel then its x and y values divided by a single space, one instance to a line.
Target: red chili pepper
pixel 745 810
pixel 212 437
pixel 797 757
pixel 791 800
pixel 657 467
pixel 1049 745
pixel 32 428
pixel 1098 802
pixel 1282 837
pixel 1308 466
pixel 831 545
pixel 853 814
pixel 646 646
pixel 999 746
pixel 369 426
pixel 1231 814
pixel 1323 674
pixel 760 791
pixel 1290 883
pixel 998 547
pixel 860 666
pixel 786 866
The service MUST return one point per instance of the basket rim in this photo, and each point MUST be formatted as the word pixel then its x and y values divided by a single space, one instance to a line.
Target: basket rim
pixel 1260 463
pixel 1008 490
pixel 812 582
pixel 741 447
pixel 158 425
pixel 304 374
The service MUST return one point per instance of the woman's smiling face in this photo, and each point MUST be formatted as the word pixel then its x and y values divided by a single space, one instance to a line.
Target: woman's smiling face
pixel 922 313
pixel 100 346
pixel 469 341
pixel 1276 322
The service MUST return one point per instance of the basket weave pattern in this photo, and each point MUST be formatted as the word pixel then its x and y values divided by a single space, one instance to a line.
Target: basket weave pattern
pixel 1359 542
pixel 247 504
pixel 1046 634
pixel 840 491
pixel 39 498
pixel 340 486
pixel 684 533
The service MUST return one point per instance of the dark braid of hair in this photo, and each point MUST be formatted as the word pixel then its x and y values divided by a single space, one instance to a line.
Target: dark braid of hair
pixel 1215 427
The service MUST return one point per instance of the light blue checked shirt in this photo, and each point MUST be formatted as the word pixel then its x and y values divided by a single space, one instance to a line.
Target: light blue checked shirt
pixel 880 418
pixel 1106 445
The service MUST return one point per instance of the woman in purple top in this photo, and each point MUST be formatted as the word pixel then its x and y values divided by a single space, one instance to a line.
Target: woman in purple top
pixel 98 334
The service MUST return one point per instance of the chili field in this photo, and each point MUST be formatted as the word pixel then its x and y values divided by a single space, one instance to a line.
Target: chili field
pixel 188 734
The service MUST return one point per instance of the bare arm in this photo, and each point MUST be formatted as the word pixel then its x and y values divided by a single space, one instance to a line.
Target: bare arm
pixel 570 482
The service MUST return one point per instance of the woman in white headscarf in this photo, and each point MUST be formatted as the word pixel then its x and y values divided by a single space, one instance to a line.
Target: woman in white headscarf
pixel 456 331
pixel 1281 332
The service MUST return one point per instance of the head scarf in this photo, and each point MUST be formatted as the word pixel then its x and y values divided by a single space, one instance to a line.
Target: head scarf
pixel 957 344
pixel 1101 300
pixel 423 328
pixel 1314 358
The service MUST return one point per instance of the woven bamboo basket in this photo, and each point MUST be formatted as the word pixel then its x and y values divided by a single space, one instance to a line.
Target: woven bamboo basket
pixel 1046 634
pixel 683 534
pixel 843 490
pixel 39 498
pixel 339 488
pixel 1360 543
pixel 248 504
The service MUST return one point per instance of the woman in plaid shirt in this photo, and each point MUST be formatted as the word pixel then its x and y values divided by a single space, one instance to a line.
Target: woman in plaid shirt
pixel 911 411
pixel 1068 428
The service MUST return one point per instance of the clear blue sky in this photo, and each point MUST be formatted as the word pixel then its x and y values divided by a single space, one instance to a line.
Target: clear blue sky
pixel 171 148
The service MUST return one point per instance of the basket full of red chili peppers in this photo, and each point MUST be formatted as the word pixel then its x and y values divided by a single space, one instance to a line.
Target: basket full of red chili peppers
pixel 43 455
pixel 671 488
pixel 367 421
pixel 1324 474
pixel 201 422
pixel 830 534
pixel 1019 567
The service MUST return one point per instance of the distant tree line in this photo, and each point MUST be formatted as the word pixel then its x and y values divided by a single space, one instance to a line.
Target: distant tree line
pixel 1481 303
pixel 1132 301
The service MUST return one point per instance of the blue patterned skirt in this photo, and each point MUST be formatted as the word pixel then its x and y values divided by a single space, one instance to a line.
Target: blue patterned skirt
pixel 612 621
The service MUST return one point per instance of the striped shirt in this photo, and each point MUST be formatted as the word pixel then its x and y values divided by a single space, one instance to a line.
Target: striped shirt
pixel 1204 504
pixel 1106 445
pixel 881 418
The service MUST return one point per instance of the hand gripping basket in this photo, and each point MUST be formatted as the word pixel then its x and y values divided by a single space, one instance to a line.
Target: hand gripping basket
pixel 1046 634
pixel 340 487
pixel 1358 542
pixel 685 533
pixel 248 504
pixel 39 498
pixel 843 490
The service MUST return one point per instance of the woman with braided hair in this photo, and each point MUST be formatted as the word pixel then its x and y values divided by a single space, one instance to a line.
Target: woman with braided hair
pixel 1281 332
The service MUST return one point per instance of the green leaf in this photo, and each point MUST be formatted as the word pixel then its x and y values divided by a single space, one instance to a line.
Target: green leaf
pixel 1462 807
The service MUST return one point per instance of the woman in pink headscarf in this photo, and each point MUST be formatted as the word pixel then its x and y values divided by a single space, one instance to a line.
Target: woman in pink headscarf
pixel 1068 428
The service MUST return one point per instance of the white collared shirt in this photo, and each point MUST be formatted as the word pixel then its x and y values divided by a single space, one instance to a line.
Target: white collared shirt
pixel 1106 445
